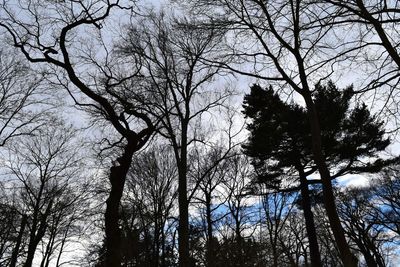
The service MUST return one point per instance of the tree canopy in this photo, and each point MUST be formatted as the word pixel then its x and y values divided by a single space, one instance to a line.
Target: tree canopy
pixel 280 137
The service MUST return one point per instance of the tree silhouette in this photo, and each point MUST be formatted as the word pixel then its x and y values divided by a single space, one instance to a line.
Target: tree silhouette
pixel 280 142
pixel 172 54
pixel 101 87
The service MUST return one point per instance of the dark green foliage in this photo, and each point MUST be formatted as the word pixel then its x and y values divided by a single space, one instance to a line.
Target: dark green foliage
pixel 276 131
pixel 280 138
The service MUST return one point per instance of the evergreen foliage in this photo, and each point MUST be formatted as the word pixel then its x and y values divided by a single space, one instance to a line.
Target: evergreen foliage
pixel 280 138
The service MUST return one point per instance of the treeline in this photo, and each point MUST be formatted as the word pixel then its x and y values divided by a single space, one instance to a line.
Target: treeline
pixel 130 136
pixel 232 222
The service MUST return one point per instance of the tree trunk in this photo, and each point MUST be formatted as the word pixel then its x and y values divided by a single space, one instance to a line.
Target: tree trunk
pixel 183 230
pixel 156 239
pixel 309 219
pixel 370 252
pixel 30 255
pixel 392 51
pixel 48 251
pixel 14 256
pixel 369 259
pixel 37 236
pixel 62 244
pixel 348 259
pixel 275 256
pixel 163 263
pixel 34 226
pixel 117 179
pixel 210 241
pixel 32 247
pixel 239 240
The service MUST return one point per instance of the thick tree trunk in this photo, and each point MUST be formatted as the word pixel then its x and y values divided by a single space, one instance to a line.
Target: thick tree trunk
pixel 30 255
pixel 348 259
pixel 315 255
pixel 117 179
pixel 33 245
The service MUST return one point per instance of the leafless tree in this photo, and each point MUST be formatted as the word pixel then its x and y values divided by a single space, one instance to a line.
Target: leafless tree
pixel 180 90
pixel 20 97
pixel 276 209
pixel 330 255
pixel 386 189
pixel 293 241
pixel 371 42
pixel 12 227
pixel 208 170
pixel 359 219
pixel 238 203
pixel 149 205
pixel 60 35
pixel 45 173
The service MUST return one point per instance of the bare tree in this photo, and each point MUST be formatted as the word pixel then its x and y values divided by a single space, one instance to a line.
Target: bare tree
pixel 53 33
pixel 180 91
pixel 330 255
pixel 46 169
pixel 276 209
pixel 149 205
pixel 386 189
pixel 20 97
pixel 207 174
pixel 12 227
pixel 359 219
pixel 369 46
pixel 238 203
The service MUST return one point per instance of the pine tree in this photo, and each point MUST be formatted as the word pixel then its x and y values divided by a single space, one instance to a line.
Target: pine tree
pixel 281 147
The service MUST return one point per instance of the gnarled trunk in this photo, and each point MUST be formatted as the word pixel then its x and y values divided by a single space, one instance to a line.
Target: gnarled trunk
pixel 117 179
